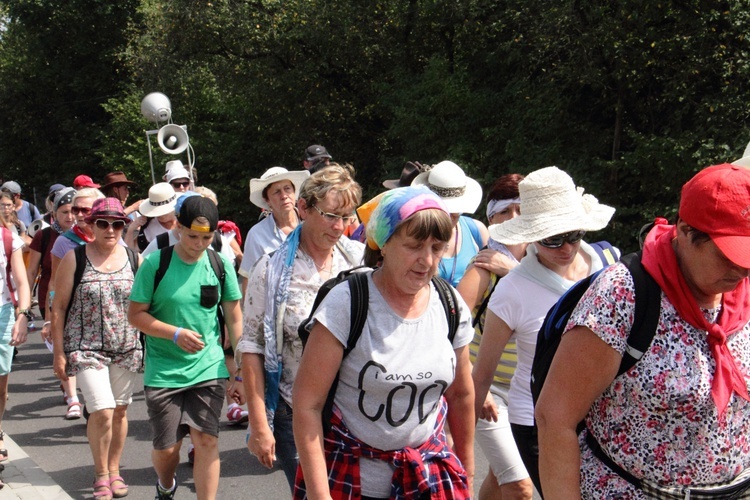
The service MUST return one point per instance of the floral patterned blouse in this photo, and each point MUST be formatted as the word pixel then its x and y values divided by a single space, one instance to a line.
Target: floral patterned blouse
pixel 658 420
pixel 303 288
pixel 97 332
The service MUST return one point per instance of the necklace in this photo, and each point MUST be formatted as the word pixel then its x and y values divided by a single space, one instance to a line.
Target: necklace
pixel 322 268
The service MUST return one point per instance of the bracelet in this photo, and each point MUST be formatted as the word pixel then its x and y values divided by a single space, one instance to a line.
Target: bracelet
pixel 27 313
pixel 46 323
pixel 238 379
pixel 176 334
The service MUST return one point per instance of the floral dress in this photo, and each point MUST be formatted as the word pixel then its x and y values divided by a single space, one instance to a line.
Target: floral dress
pixel 97 332
pixel 658 421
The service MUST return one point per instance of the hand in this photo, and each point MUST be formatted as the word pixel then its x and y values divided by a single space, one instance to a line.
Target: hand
pixel 46 332
pixel 489 409
pixel 132 208
pixel 262 445
pixel 19 331
pixel 236 392
pixel 59 366
pixel 494 261
pixel 190 341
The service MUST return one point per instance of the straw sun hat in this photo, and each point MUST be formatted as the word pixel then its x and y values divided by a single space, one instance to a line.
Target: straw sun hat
pixel 551 205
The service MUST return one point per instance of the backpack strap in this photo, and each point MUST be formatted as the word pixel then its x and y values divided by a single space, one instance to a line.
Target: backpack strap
pixel 140 238
pixel 646 315
pixel 132 259
pixel 483 306
pixel 606 252
pixel 217 264
pixel 165 257
pixel 80 253
pixel 162 240
pixel 8 246
pixel 358 304
pixel 450 304
pixel 216 244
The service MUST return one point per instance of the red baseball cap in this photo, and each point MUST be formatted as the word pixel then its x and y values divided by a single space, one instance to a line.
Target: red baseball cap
pixel 717 201
pixel 84 181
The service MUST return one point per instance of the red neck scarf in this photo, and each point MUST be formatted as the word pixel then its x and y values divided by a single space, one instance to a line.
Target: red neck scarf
pixel 81 234
pixel 660 260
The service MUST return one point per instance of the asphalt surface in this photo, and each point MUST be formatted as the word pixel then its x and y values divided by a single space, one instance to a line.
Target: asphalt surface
pixel 34 420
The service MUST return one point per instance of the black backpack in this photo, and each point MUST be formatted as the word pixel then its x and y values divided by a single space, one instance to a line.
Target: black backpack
pixel 645 322
pixel 360 297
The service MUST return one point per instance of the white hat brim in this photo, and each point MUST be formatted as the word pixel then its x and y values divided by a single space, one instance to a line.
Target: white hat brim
pixel 149 210
pixel 530 229
pixel 464 204
pixel 296 177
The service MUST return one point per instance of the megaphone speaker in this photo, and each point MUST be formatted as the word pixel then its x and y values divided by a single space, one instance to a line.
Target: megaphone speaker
pixel 172 139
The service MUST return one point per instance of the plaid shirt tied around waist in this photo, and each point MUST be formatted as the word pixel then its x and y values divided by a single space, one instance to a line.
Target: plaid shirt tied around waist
pixel 430 471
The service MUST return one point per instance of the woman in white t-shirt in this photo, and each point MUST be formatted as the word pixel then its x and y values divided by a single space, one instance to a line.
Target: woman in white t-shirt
pixel 14 323
pixel 555 216
pixel 394 385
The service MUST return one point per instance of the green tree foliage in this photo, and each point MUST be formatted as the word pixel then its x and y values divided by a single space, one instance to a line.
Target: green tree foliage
pixel 57 66
pixel 630 97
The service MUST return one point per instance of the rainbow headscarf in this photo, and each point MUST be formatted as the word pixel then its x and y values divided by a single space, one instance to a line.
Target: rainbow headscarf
pixel 394 207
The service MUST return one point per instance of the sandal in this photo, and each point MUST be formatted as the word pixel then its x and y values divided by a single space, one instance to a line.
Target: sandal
pixel 3 451
pixel 101 489
pixel 118 491
pixel 74 411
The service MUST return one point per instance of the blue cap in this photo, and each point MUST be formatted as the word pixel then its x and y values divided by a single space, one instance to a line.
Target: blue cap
pixel 54 188
pixel 184 196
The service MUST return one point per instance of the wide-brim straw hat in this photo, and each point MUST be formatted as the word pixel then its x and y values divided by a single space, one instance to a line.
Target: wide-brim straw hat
pixel 551 205
pixel 275 174
pixel 161 200
pixel 461 194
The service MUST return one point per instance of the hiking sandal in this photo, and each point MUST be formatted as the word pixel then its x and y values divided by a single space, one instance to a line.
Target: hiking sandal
pixel 3 451
pixel 74 411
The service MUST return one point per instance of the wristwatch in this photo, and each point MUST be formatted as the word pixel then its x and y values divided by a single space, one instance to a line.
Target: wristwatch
pixel 27 313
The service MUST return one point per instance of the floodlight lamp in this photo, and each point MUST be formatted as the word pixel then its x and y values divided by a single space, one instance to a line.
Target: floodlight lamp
pixel 155 107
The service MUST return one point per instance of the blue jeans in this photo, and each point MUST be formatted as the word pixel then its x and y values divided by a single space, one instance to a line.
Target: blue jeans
pixel 286 450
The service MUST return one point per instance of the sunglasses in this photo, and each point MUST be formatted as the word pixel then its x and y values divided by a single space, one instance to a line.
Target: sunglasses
pixel 333 218
pixel 179 184
pixel 80 210
pixel 103 224
pixel 560 239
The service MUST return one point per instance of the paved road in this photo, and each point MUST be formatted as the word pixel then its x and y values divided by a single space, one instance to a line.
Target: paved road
pixel 34 420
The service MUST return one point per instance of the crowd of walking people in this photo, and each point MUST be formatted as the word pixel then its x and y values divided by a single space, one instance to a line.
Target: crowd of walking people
pixel 368 344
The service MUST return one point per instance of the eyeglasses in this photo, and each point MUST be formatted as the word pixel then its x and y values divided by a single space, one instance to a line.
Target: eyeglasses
pixel 80 210
pixel 559 240
pixel 104 224
pixel 180 184
pixel 6 205
pixel 333 218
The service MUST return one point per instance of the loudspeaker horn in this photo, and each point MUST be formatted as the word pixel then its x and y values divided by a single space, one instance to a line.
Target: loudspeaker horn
pixel 156 107
pixel 172 139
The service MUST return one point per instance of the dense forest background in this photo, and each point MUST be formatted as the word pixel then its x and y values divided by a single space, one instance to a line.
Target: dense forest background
pixel 630 97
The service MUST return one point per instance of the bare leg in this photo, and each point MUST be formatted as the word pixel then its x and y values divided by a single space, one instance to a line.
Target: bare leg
pixel 119 433
pixel 99 433
pixel 207 466
pixel 165 463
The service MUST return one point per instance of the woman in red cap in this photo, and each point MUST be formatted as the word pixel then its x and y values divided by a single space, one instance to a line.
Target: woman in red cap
pixel 676 424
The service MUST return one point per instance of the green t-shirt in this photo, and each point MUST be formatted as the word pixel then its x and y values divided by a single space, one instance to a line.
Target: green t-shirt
pixel 177 302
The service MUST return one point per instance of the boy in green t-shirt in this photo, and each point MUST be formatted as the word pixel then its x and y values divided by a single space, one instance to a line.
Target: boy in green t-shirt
pixel 185 376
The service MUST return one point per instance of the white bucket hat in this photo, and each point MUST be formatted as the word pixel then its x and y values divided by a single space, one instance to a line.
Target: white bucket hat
pixel 461 194
pixel 551 205
pixel 176 170
pixel 161 200
pixel 275 174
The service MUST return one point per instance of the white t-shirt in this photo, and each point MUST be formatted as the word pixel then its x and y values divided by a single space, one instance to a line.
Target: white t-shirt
pixel 523 304
pixel 16 245
pixel 410 359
